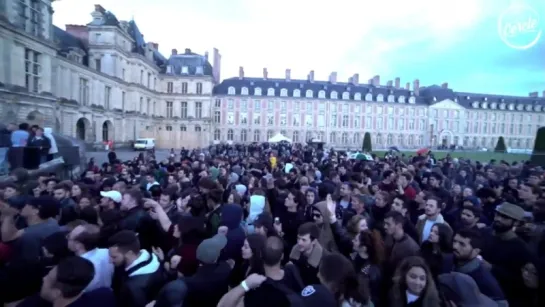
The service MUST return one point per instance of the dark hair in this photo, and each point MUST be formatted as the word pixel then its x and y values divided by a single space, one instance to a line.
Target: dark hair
pixel 273 251
pixel 337 270
pixel 136 195
pixel 74 275
pixel 397 217
pixel 125 241
pixel 257 244
pixel 61 186
pixel 47 206
pixel 309 228
pixel 474 236
pixel 445 237
pixel 477 211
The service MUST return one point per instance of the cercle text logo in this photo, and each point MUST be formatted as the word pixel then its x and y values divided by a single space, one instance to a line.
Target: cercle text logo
pixel 519 26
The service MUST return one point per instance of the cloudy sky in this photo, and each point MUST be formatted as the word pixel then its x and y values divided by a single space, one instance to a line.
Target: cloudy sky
pixel 434 40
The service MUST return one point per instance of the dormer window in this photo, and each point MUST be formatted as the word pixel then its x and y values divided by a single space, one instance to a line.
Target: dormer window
pixel 455 99
pixel 520 107
pixel 169 69
pixel 346 95
pixel 357 96
pixel 321 94
pixel 434 99
pixel 528 107
pixel 511 107
pixel 199 70
pixel 368 97
pixel 493 106
pixel 185 70
pixel 380 98
pixel 244 91
pixel 502 106
pixel 296 93
pixel 412 100
pixel 475 104
pixel 485 99
pixel 485 105
pixel 270 91
pixel 231 90
pixel 467 97
pixel 284 92
pixel 257 91
pixel 334 95
pixel 391 98
pixel 537 108
pixel 401 99
pixel 309 94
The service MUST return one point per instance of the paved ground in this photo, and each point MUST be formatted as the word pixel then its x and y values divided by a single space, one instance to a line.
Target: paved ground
pixel 123 155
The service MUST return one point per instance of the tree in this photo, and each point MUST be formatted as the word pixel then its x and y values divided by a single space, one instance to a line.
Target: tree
pixel 500 145
pixel 538 155
pixel 367 142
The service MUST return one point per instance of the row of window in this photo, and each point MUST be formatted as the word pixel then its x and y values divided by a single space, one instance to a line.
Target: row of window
pixel 184 110
pixel 356 139
pixel 322 94
pixel 185 88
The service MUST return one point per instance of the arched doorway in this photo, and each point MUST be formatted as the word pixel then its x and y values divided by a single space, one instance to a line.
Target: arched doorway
pixel 83 127
pixel 107 131
pixel 446 137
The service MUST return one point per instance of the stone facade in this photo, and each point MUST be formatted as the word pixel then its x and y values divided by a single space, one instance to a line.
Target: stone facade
pixel 100 82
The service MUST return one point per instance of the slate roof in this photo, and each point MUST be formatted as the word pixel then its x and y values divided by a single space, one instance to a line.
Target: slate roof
pixel 427 95
pixel 68 42
pixel 192 60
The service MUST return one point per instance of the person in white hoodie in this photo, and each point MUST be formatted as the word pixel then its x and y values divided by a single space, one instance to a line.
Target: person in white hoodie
pixel 257 205
pixel 83 241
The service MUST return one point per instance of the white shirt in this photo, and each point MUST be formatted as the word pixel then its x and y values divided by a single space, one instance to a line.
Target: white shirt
pixel 104 270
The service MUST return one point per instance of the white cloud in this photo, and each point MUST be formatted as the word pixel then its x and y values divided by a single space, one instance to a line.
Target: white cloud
pixel 345 35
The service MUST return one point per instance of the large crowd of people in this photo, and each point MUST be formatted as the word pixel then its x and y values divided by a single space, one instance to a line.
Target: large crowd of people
pixel 276 225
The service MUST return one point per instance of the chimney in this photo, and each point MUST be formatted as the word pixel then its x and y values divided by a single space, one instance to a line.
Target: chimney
pixel 533 94
pixel 376 80
pixel 241 72
pixel 416 86
pixel 333 77
pixel 206 56
pixel 187 51
pixel 154 45
pixel 174 51
pixel 408 86
pixel 444 85
pixel 288 74
pixel 390 83
pixel 265 73
pixel 356 79
pixel 351 80
pixel 311 76
pixel 216 65
pixel 397 83
pixel 99 8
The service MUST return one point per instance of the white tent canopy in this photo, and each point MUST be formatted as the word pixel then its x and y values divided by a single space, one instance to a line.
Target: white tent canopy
pixel 279 138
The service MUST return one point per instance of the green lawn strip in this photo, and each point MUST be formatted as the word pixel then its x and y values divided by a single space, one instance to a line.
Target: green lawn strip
pixel 483 156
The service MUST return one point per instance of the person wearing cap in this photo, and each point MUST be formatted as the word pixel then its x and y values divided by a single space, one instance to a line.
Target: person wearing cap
pixel 211 281
pixel 506 253
pixel 110 199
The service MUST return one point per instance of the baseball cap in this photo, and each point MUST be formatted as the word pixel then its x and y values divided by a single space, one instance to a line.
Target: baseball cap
pixel 209 250
pixel 113 195
pixel 318 295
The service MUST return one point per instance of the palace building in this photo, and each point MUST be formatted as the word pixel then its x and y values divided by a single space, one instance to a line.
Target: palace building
pixel 339 113
pixel 101 81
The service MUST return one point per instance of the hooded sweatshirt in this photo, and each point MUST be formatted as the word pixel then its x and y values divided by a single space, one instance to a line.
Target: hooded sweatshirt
pixel 231 216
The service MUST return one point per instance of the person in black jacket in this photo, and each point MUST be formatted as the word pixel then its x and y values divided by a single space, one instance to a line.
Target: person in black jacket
pixel 139 275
